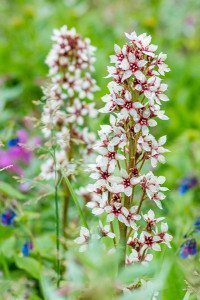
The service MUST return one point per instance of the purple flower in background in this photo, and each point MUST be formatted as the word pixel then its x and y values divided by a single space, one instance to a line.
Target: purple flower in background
pixel 26 248
pixel 188 248
pixel 7 217
pixel 197 225
pixel 13 142
pixel 24 187
pixel 186 184
pixel 17 153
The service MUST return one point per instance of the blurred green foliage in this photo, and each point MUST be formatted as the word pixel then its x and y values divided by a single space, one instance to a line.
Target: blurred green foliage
pixel 26 27
pixel 25 31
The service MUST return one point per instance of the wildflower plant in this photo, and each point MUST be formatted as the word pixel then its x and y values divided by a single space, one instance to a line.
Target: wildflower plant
pixel 66 108
pixel 123 189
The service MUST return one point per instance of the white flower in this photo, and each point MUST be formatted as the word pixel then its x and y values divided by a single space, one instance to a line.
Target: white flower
pixel 110 105
pixel 63 138
pixel 120 54
pixel 116 210
pixel 83 239
pixel 143 121
pixel 109 156
pixel 104 174
pixel 157 197
pixel 47 170
pixel 86 87
pixel 165 237
pixel 111 135
pixel 151 220
pixel 130 64
pixel 138 256
pixel 128 107
pixel 98 203
pixel 125 184
pixel 77 112
pixel 156 111
pixel 150 241
pixel 145 86
pixel 131 217
pixel 159 62
pixel 151 184
pixel 153 148
pixel 160 88
pixel 105 230
pixel 134 241
pixel 62 164
pixel 142 42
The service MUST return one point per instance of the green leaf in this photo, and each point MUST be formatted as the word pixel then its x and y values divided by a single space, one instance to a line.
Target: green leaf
pixel 4 286
pixel 11 93
pixel 30 265
pixel 7 247
pixel 174 286
pixel 8 190
pixel 45 246
pixel 5 232
pixel 74 197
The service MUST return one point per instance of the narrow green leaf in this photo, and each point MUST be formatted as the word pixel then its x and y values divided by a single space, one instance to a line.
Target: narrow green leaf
pixel 7 189
pixel 74 197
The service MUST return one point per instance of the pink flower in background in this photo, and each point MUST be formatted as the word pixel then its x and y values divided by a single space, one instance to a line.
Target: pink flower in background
pixel 17 153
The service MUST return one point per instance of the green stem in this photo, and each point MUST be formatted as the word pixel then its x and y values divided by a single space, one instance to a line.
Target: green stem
pixel 114 239
pixel 57 236
pixel 57 223
pixel 141 201
pixel 127 200
pixel 65 206
pixel 122 244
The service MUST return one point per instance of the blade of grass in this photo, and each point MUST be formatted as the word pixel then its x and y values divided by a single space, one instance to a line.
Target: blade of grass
pixel 75 199
pixel 56 201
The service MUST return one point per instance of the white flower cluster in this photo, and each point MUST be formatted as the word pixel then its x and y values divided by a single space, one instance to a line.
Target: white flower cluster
pixel 125 145
pixel 67 106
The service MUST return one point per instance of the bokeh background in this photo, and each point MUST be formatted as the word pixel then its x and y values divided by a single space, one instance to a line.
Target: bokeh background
pixel 25 31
